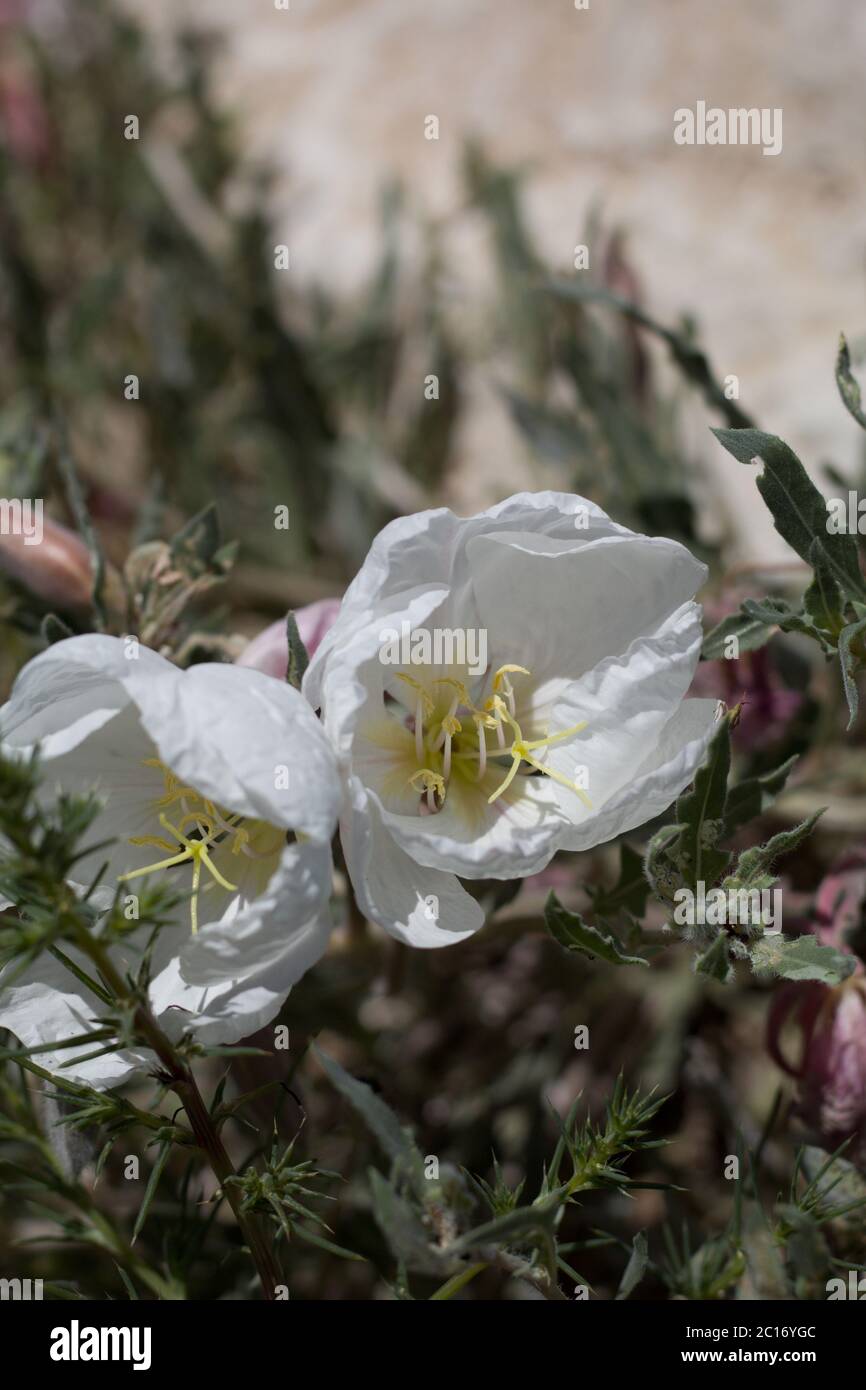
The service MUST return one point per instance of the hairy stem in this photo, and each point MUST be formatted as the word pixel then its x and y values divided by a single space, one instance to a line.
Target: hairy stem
pixel 180 1077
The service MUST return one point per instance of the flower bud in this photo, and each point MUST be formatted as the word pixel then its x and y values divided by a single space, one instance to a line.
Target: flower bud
pixel 57 570
pixel 831 1068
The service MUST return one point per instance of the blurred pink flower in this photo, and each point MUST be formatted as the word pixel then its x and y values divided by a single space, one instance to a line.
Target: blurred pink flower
pixel 831 1069
pixel 57 569
pixel 751 677
pixel 269 651
pixel 24 121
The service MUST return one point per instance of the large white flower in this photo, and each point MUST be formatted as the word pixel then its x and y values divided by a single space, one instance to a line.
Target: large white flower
pixel 219 777
pixel 574 731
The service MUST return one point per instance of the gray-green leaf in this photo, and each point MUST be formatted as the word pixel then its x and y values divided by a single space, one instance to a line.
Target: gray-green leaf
pixel 802 958
pixel 799 511
pixel 572 933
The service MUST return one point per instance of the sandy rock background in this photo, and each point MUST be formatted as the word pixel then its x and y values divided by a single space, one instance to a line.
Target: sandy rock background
pixel 768 252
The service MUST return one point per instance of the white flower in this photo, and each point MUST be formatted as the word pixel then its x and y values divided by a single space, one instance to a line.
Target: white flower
pixel 576 731
pixel 202 774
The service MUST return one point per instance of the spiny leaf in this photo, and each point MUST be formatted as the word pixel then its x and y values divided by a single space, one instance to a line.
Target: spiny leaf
pixel 513 1225
pixel 572 933
pixel 313 1238
pixel 152 1184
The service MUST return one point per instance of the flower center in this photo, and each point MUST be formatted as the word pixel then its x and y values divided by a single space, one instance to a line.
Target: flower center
pixel 202 826
pixel 456 741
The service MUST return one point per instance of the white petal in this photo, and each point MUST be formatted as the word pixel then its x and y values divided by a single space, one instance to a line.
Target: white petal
pixel 559 608
pixel 423 907
pixel 627 701
pixel 47 1004
pixel 231 1009
pixel 430 549
pixel 668 769
pixel 253 934
pixel 229 732
pixel 517 835
pixel 67 693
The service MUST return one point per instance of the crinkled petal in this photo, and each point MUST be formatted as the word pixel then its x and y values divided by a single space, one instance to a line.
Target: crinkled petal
pixel 429 549
pixel 668 768
pixel 423 907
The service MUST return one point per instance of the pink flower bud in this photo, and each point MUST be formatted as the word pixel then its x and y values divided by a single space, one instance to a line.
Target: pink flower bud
pixel 831 1067
pixel 269 651
pixel 57 570
pixel 831 1070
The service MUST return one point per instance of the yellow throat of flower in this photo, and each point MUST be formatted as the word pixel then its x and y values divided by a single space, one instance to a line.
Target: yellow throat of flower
pixel 199 829
pixel 458 738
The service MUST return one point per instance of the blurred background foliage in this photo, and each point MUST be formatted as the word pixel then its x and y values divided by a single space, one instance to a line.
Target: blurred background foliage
pixel 156 257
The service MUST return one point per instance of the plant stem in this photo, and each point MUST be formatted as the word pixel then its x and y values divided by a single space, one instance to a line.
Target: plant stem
pixel 179 1076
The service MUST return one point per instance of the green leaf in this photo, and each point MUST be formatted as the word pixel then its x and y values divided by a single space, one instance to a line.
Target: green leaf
pixel 152 1184
pixel 630 891
pixel 298 657
pixel 521 1223
pixel 691 359
pixel 750 632
pixel 198 548
pixel 313 1238
pixel 798 508
pixel 802 958
pixel 572 933
pixel 635 1269
pixel 659 862
pixel 53 629
pixel 458 1281
pixel 700 813
pixel 849 389
pixel 823 598
pixel 755 863
pixel 752 797
pixel 775 611
pixel 395 1141
pixel 849 662
pixel 715 962
pixel 402 1228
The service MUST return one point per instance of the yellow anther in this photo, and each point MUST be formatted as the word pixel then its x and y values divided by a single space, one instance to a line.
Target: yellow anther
pixel 193 818
pixel 432 784
pixel 500 678
pixel 458 686
pixel 451 724
pixel 155 840
pixel 425 780
pixel 422 693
